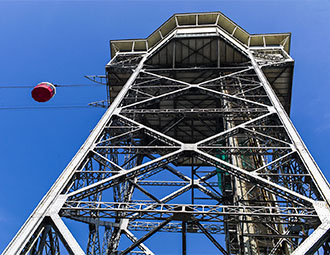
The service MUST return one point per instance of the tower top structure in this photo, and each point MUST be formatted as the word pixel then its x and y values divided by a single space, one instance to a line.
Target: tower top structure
pixel 213 24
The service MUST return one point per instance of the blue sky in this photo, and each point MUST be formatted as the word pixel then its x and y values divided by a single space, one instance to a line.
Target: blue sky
pixel 61 41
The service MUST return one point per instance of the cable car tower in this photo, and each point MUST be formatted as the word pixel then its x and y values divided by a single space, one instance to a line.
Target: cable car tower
pixel 196 140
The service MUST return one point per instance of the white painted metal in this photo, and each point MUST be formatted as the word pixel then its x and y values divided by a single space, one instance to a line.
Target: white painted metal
pixel 60 201
pixel 297 141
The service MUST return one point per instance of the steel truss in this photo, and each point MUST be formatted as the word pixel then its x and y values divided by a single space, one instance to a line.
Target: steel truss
pixel 195 145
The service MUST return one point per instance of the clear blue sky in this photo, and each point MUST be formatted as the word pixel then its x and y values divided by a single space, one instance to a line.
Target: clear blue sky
pixel 60 41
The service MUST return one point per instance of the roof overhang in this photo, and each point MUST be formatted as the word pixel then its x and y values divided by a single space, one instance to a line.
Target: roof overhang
pixel 179 22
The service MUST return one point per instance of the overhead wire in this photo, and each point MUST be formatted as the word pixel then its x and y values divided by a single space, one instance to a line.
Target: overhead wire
pixel 78 85
pixel 15 87
pixel 46 107
pixel 56 85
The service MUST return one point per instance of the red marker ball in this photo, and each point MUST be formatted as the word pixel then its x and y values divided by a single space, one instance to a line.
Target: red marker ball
pixel 43 92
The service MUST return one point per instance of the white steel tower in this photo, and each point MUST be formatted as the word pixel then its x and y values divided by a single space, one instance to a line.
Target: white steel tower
pixel 196 140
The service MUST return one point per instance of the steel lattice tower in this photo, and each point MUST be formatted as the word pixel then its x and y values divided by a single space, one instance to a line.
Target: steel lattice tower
pixel 196 139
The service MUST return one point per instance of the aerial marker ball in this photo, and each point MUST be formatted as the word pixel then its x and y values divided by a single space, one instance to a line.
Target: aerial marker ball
pixel 43 92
